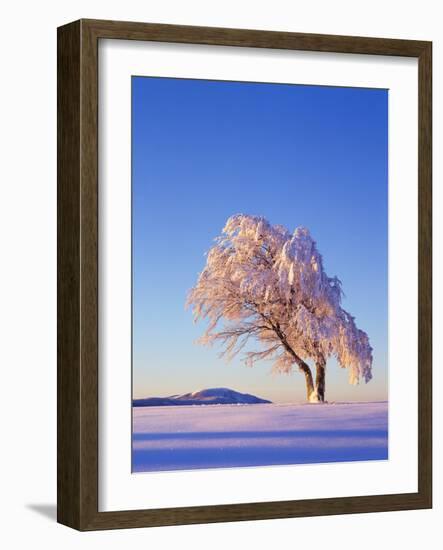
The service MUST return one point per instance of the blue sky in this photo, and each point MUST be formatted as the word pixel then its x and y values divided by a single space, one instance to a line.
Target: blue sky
pixel 298 155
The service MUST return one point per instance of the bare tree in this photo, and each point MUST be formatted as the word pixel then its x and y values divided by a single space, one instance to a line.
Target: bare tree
pixel 261 282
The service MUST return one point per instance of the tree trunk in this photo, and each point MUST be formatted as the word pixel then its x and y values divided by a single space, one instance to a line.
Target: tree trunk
pixel 309 381
pixel 320 385
pixel 311 392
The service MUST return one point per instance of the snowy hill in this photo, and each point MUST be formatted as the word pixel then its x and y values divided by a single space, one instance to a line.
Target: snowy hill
pixel 211 396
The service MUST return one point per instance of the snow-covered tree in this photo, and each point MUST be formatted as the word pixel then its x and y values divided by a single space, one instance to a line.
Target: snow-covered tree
pixel 263 283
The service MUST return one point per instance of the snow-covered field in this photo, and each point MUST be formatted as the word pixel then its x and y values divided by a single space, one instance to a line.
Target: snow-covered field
pixel 222 436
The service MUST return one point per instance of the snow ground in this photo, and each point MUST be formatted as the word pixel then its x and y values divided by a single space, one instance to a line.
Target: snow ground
pixel 223 436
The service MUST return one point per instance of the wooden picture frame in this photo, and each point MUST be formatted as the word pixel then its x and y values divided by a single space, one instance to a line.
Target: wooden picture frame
pixel 77 456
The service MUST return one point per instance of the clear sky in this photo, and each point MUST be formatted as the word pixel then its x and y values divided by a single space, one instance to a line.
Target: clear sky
pixel 297 155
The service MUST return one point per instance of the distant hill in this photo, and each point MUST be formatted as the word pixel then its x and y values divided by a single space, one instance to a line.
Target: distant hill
pixel 211 396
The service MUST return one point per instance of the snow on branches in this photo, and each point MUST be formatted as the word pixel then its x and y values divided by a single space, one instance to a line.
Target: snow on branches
pixel 262 282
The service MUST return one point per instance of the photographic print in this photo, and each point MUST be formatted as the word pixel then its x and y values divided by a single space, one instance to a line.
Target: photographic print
pixel 259 274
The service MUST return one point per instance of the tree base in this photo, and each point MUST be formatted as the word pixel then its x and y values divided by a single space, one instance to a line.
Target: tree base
pixel 315 397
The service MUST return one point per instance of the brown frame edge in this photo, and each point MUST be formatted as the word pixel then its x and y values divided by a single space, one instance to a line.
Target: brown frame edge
pixel 77 294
